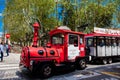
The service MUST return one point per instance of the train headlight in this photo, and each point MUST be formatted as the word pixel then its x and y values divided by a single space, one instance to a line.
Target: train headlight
pixel 41 52
pixel 52 52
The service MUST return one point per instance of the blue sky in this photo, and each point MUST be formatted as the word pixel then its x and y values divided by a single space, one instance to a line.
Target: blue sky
pixel 2 6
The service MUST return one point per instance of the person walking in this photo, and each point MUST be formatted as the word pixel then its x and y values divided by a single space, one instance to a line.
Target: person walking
pixel 7 49
pixel 1 50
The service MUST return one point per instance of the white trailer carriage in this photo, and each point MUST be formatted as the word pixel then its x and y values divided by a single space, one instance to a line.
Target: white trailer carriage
pixel 103 47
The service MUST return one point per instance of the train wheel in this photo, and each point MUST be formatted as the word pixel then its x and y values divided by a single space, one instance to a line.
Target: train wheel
pixel 109 60
pixel 46 71
pixel 81 64
pixel 104 61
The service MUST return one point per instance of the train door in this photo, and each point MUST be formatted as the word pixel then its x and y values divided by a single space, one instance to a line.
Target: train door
pixel 108 46
pixel 90 41
pixel 100 46
pixel 73 46
pixel 114 46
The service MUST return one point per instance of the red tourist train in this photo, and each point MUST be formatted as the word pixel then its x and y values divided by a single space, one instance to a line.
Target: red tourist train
pixel 65 47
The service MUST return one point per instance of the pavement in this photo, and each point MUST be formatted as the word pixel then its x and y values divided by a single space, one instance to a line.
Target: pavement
pixel 13 58
pixel 10 62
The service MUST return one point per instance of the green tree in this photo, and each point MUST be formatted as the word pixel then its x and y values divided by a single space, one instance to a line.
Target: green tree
pixel 88 13
pixel 20 14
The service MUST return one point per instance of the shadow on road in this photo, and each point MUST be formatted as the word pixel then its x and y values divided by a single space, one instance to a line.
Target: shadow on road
pixel 59 71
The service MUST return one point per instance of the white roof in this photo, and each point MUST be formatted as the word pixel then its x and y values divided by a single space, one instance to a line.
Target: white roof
pixel 64 27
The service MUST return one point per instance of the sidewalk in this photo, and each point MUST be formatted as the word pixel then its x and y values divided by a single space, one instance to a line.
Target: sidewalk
pixel 11 59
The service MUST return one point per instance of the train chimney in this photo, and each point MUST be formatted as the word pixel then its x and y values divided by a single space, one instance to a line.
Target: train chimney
pixel 35 38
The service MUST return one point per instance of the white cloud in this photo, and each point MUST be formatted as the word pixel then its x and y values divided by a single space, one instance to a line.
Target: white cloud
pixel 0 14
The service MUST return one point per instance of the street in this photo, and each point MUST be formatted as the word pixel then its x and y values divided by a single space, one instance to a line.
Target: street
pixel 9 70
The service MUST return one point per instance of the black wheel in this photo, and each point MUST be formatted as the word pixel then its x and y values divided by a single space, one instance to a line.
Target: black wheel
pixel 46 71
pixel 81 64
pixel 104 61
pixel 109 61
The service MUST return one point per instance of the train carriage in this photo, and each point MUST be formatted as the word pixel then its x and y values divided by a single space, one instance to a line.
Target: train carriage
pixel 104 47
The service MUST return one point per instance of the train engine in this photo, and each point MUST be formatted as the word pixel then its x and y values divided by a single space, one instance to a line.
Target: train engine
pixel 65 47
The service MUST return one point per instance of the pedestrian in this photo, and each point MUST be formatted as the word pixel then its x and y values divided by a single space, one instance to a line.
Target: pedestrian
pixel 7 49
pixel 1 50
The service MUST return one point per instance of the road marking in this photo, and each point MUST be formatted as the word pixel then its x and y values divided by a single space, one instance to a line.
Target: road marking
pixel 8 65
pixel 96 66
pixel 109 79
pixel 9 68
pixel 114 74
pixel 11 78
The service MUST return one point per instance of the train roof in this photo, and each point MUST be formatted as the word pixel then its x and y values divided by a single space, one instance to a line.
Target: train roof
pixel 64 31
pixel 99 34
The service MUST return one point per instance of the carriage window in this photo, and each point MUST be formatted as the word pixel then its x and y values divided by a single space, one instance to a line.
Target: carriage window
pixel 108 41
pixel 58 39
pixel 100 41
pixel 118 41
pixel 90 42
pixel 73 39
pixel 114 42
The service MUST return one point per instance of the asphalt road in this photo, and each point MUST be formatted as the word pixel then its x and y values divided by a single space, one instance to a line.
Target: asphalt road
pixel 9 70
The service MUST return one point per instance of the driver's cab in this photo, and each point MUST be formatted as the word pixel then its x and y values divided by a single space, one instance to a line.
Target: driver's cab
pixel 75 46
pixel 71 43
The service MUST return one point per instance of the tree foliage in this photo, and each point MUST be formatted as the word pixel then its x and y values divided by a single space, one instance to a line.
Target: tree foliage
pixel 88 13
pixel 19 14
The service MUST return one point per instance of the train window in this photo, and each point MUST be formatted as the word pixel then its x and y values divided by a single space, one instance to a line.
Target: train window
pixel 108 41
pixel 118 41
pixel 114 41
pixel 73 39
pixel 90 42
pixel 81 39
pixel 58 39
pixel 100 41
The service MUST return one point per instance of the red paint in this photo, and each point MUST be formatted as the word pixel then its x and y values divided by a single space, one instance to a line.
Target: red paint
pixel 82 50
pixel 35 38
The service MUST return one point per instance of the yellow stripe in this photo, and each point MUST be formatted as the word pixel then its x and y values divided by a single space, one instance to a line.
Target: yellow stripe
pixel 114 74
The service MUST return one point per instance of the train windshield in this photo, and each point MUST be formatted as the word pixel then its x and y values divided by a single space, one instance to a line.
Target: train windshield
pixel 58 39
